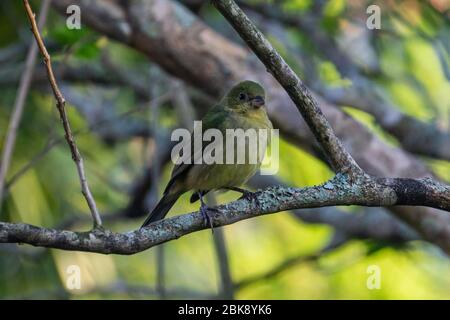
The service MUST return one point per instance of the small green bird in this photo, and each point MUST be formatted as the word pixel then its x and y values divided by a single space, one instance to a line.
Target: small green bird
pixel 242 108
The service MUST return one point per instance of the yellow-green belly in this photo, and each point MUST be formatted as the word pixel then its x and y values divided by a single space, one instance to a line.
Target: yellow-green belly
pixel 215 176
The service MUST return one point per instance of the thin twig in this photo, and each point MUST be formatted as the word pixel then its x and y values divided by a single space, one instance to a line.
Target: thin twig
pixel 19 103
pixel 60 104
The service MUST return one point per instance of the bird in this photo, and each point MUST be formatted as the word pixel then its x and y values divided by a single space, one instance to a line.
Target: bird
pixel 243 107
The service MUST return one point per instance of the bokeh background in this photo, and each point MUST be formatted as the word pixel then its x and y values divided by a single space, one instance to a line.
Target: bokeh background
pixel 123 104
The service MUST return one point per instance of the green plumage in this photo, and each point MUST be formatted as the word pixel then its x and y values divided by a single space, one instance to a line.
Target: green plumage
pixel 242 108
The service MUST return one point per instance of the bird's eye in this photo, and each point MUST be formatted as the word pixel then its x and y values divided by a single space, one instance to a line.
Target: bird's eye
pixel 242 96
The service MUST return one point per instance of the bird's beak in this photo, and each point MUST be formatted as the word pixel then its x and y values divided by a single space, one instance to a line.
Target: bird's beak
pixel 257 102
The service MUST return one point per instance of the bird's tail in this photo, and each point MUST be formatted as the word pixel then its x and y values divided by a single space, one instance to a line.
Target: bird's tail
pixel 161 209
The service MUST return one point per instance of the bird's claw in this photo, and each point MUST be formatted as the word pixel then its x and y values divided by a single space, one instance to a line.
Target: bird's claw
pixel 250 196
pixel 207 220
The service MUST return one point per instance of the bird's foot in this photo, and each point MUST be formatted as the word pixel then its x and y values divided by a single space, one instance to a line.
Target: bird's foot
pixel 250 196
pixel 208 221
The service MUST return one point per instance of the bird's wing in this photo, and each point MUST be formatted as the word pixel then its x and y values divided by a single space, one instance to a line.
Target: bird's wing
pixel 214 118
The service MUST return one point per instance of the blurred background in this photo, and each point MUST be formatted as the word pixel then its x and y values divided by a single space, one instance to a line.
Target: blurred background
pixel 136 70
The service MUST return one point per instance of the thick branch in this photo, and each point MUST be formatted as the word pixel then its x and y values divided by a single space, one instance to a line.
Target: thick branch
pixel 60 104
pixel 367 223
pixel 339 158
pixel 338 191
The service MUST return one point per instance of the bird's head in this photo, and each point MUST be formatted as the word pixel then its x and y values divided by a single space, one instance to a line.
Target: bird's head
pixel 246 96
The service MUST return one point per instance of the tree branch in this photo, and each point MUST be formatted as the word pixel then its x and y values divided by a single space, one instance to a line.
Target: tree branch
pixel 368 223
pixel 339 159
pixel 338 191
pixel 60 104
